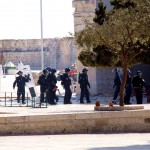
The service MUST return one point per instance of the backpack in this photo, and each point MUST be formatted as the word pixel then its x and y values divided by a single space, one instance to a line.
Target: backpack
pixel 39 81
pixel 62 79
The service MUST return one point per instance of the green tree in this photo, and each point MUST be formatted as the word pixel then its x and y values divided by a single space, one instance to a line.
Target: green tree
pixel 118 38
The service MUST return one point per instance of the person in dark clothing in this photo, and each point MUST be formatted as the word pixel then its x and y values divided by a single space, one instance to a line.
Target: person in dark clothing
pixel 66 82
pixel 117 84
pixel 42 83
pixel 138 85
pixel 48 70
pixel 128 88
pixel 51 86
pixel 20 81
pixel 84 84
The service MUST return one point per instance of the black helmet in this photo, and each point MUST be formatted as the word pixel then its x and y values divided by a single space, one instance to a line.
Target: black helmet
pixel 67 69
pixel 44 71
pixel 48 69
pixel 84 70
pixel 19 72
pixel 138 72
pixel 53 70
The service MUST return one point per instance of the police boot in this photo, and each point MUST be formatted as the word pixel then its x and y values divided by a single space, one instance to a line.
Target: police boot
pixel 81 102
pixel 23 102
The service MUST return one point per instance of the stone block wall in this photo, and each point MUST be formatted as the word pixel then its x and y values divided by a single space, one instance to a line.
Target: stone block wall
pixel 58 53
pixel 96 122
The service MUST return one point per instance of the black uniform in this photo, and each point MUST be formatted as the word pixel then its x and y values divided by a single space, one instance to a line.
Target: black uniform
pixel 51 86
pixel 128 90
pixel 66 82
pixel 20 81
pixel 138 83
pixel 84 83
pixel 42 83
pixel 117 84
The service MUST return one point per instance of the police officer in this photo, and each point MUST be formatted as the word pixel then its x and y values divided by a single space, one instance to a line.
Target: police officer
pixel 84 84
pixel 117 84
pixel 128 88
pixel 66 84
pixel 20 81
pixel 42 83
pixel 138 85
pixel 51 85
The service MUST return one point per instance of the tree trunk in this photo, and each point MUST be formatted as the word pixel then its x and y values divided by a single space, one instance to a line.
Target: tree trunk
pixel 124 78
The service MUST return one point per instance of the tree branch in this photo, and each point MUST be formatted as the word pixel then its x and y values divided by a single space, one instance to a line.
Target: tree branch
pixel 135 55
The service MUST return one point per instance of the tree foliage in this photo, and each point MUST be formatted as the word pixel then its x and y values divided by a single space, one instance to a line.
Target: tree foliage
pixel 118 38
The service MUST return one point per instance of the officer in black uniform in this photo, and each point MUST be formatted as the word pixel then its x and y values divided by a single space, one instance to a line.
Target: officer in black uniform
pixel 42 83
pixel 66 82
pixel 51 86
pixel 138 85
pixel 117 84
pixel 128 88
pixel 84 84
pixel 20 81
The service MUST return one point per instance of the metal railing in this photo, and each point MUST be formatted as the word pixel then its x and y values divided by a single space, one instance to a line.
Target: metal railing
pixel 9 99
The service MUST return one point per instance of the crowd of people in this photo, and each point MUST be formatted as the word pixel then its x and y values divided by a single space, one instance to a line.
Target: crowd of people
pixel 48 86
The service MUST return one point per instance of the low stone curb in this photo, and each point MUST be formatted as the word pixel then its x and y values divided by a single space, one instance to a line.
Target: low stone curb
pixel 117 108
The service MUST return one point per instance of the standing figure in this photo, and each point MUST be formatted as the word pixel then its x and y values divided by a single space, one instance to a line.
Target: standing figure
pixel 117 84
pixel 138 85
pixel 84 84
pixel 42 83
pixel 66 82
pixel 51 86
pixel 128 88
pixel 20 81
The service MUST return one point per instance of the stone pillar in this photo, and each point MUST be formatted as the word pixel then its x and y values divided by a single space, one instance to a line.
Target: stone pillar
pixel 84 9
pixel 101 80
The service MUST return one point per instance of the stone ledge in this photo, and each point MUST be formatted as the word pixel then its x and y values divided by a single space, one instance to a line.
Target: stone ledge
pixel 94 122
pixel 117 108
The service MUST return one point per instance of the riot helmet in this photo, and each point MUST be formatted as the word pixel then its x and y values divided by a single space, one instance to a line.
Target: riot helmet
pixel 67 70
pixel 48 69
pixel 19 73
pixel 53 70
pixel 139 72
pixel 84 70
pixel 44 71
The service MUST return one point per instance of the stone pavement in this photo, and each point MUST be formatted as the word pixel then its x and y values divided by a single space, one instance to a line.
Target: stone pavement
pixel 52 109
pixel 131 141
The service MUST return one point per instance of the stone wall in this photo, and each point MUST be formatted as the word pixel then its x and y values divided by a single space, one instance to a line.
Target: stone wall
pixel 58 53
pixel 98 122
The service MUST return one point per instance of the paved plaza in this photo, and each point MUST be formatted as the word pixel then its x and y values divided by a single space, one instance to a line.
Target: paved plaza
pixel 77 142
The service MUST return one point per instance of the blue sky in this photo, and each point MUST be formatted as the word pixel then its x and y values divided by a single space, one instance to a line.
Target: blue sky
pixel 20 19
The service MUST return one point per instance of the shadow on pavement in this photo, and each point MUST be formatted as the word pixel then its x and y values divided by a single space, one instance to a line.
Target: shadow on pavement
pixel 134 147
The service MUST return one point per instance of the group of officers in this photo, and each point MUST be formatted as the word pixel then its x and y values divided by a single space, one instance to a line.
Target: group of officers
pixel 133 82
pixel 48 87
